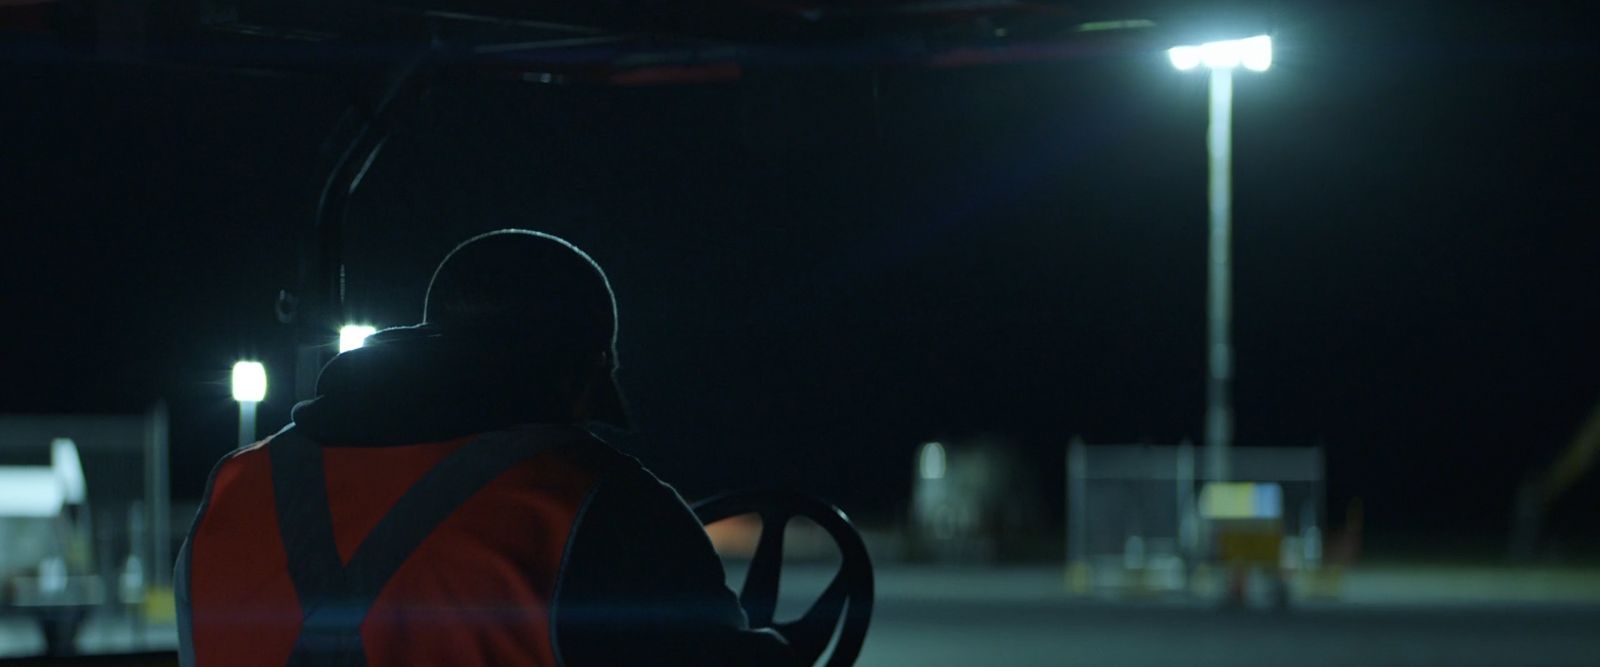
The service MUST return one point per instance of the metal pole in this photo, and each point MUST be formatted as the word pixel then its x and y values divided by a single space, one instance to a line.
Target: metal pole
pixel 1079 578
pixel 247 423
pixel 1188 519
pixel 1219 347
pixel 1077 502
pixel 160 497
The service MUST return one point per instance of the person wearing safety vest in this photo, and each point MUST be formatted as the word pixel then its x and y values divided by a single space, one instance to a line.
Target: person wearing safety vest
pixel 440 501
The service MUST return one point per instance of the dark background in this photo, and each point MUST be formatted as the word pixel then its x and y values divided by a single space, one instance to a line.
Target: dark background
pixel 818 270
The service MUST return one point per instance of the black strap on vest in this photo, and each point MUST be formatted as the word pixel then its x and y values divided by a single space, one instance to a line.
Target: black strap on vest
pixel 335 597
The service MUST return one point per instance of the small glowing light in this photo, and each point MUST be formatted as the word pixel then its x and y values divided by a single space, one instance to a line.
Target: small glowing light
pixel 31 491
pixel 52 575
pixel 352 336
pixel 1254 53
pixel 932 461
pixel 249 382
pixel 1184 57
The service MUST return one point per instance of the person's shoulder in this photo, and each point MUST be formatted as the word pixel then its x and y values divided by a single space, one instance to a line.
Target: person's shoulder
pixel 622 481
pixel 583 452
pixel 586 450
pixel 625 470
pixel 245 462
pixel 238 483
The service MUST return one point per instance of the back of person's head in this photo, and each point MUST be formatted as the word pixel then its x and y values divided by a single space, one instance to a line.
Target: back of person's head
pixel 539 294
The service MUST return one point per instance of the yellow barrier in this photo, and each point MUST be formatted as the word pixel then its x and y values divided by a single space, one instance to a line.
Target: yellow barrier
pixel 159 605
pixel 1249 543
pixel 1078 578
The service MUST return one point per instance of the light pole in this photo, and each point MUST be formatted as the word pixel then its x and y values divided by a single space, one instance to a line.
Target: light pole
pixel 1221 58
pixel 249 387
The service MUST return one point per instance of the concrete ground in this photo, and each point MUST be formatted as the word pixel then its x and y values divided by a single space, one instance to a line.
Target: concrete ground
pixel 929 617
pixel 1022 616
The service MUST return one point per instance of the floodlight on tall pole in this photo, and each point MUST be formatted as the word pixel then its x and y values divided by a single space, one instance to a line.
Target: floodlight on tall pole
pixel 1221 59
pixel 352 336
pixel 249 388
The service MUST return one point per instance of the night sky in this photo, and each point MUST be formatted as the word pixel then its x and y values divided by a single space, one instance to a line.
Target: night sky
pixel 817 270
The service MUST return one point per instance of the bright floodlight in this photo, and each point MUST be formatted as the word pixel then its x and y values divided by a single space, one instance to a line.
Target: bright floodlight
pixel 1256 53
pixel 1184 57
pixel 352 336
pixel 249 381
pixel 1253 53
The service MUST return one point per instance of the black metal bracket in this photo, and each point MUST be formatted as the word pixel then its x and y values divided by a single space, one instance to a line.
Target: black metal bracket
pixel 315 308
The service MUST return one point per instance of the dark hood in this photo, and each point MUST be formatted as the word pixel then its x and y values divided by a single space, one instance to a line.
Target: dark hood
pixel 419 384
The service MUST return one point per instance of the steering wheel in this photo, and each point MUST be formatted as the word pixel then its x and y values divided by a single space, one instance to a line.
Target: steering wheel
pixel 848 597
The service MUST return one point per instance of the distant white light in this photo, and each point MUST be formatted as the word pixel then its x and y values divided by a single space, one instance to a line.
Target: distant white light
pixel 931 463
pixel 52 575
pixel 352 336
pixel 1253 53
pixel 32 491
pixel 249 382
pixel 69 470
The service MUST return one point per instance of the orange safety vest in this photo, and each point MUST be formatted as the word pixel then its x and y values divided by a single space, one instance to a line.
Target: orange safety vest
pixel 436 553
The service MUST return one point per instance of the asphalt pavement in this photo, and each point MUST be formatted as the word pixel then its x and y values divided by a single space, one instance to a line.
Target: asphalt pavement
pixel 929 616
pixel 1019 617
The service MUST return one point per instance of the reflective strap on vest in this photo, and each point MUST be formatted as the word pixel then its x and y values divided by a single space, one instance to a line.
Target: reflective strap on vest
pixel 335 597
